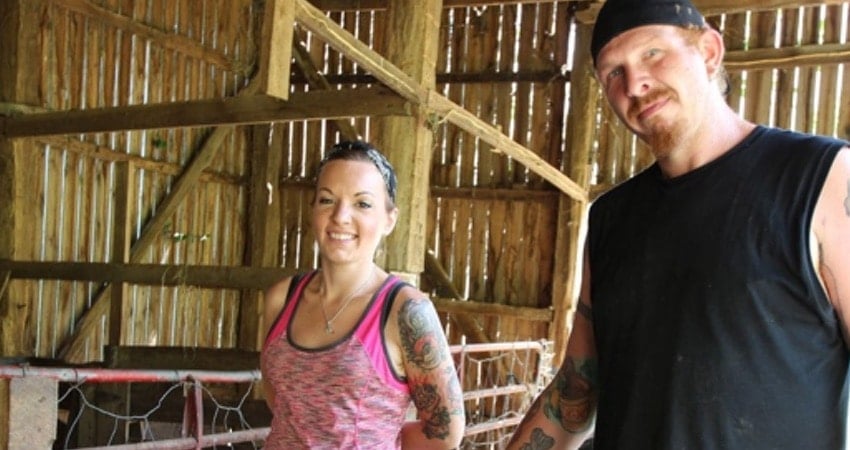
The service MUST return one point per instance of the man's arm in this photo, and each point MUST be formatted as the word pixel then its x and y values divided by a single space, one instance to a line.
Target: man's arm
pixel 831 227
pixel 562 416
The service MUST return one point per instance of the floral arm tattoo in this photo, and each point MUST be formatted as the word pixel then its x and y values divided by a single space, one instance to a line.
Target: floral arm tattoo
pixel 426 349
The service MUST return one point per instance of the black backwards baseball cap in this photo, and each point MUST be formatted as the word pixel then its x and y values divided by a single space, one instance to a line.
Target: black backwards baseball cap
pixel 618 16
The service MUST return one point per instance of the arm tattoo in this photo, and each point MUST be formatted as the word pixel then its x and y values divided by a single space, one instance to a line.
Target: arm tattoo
pixel 437 418
pixel 418 328
pixel 539 441
pixel 571 402
pixel 424 346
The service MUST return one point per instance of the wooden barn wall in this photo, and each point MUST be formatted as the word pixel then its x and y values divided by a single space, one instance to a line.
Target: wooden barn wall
pixel 96 56
pixel 499 248
pixel 808 98
pixel 491 221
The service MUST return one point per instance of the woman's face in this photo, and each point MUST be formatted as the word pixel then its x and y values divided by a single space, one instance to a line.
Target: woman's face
pixel 351 211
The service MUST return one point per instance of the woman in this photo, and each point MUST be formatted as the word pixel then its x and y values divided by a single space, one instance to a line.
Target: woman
pixel 349 345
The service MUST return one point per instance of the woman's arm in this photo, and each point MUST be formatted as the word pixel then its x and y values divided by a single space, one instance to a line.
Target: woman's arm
pixel 430 373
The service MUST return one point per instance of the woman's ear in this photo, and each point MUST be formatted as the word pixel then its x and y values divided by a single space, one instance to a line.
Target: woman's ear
pixel 713 49
pixel 391 221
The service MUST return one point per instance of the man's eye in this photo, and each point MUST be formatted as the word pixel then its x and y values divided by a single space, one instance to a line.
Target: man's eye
pixel 614 74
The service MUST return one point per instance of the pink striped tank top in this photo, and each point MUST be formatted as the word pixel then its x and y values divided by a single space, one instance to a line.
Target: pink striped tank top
pixel 343 396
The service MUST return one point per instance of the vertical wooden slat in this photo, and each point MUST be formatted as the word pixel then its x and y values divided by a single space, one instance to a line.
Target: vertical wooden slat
pixel 830 87
pixel 487 159
pixel 124 182
pixel 264 225
pixel 760 83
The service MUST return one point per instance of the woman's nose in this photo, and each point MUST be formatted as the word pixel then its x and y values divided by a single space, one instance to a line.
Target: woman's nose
pixel 342 213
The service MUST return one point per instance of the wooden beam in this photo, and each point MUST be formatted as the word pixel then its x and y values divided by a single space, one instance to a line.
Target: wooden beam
pixel 357 5
pixel 572 216
pixel 239 110
pixel 488 77
pixel 21 51
pixel 498 194
pixel 106 153
pixel 74 346
pixel 317 80
pixel 172 41
pixel 587 10
pixel 276 49
pixel 772 58
pixel 443 108
pixel 479 308
pixel 203 276
pixel 411 43
pixel 438 275
pixel 263 228
pixel 125 176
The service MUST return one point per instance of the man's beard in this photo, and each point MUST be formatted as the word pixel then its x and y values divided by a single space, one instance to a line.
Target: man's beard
pixel 663 137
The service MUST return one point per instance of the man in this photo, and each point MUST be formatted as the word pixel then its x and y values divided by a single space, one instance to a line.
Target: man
pixel 715 300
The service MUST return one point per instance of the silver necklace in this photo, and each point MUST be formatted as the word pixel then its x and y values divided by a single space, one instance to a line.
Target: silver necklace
pixel 329 322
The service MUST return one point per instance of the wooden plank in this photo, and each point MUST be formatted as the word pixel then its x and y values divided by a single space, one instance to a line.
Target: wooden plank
pixel 89 321
pixel 264 230
pixel 203 276
pixel 316 80
pixel 354 5
pixel 122 238
pixel 411 42
pixel 787 57
pixel 592 6
pixel 315 21
pixel 568 248
pixel 485 308
pixel 502 78
pixel 276 48
pixel 238 110
pixel 826 115
pixel 175 41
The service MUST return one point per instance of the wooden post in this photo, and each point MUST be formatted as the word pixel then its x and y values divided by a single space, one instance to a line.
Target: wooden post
pixel 276 48
pixel 412 39
pixel 264 229
pixel 20 59
pixel 583 95
pixel 122 236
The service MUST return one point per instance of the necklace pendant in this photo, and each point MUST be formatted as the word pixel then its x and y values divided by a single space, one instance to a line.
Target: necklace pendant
pixel 328 328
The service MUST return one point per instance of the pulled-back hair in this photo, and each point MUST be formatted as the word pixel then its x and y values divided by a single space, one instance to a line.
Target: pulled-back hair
pixel 363 151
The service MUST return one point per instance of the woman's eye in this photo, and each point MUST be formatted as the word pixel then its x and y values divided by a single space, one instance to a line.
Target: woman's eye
pixel 652 52
pixel 325 201
pixel 364 205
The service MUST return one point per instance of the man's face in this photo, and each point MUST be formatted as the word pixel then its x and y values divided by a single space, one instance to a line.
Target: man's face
pixel 653 78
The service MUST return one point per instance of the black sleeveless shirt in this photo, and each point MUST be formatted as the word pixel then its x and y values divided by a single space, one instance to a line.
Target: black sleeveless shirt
pixel 712 329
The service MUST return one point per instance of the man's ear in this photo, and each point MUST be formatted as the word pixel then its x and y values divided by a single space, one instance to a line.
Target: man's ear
pixel 713 49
